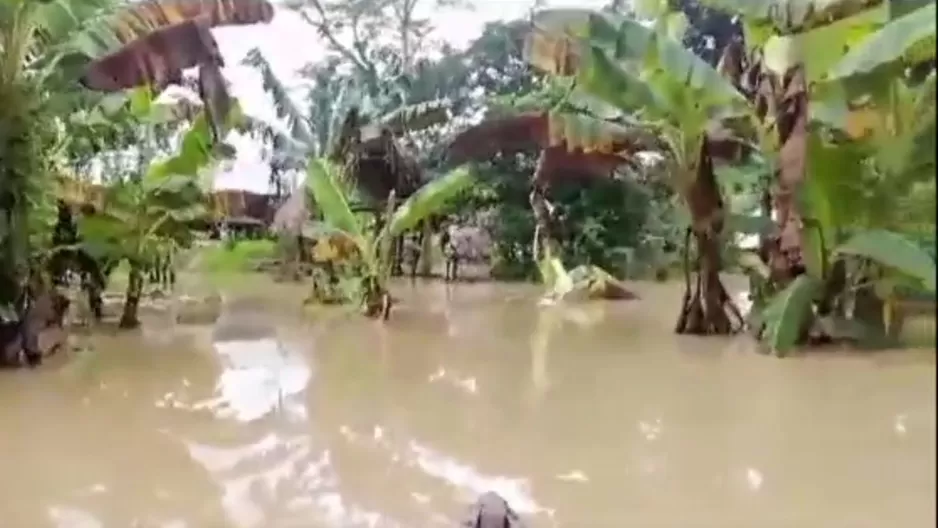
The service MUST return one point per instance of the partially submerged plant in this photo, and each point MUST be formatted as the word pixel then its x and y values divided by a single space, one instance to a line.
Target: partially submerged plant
pixel 849 295
pixel 374 249
pixel 582 282
pixel 142 224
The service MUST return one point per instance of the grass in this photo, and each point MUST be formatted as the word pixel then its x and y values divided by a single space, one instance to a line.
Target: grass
pixel 241 257
pixel 217 264
pixel 214 266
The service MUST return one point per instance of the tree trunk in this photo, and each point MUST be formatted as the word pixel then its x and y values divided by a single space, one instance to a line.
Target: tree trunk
pixel 377 301
pixel 129 317
pixel 706 306
pixel 426 249
pixel 706 303
pixel 95 302
pixel 397 256
pixel 14 252
pixel 783 100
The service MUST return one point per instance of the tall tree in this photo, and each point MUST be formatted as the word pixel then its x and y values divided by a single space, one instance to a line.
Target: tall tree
pixel 380 38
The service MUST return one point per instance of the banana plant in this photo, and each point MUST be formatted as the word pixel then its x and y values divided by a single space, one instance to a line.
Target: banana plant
pixel 45 46
pixel 326 126
pixel 641 78
pixel 347 125
pixel 584 282
pixel 815 60
pixel 869 176
pixel 141 224
pixel 857 242
pixel 884 263
pixel 145 220
pixel 158 40
pixel 374 249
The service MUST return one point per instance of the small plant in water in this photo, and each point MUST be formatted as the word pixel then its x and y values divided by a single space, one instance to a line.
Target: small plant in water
pixel 374 255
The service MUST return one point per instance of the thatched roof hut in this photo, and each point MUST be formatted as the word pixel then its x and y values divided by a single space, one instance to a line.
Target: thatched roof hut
pixel 375 160
pixel 230 203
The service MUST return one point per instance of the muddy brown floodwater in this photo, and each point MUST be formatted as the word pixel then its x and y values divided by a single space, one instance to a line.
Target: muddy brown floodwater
pixel 588 416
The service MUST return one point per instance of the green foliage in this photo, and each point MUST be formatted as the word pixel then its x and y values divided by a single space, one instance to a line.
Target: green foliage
pixel 429 199
pixel 323 180
pixel 788 313
pixel 141 223
pixel 28 137
pixel 910 37
pixel 242 256
pixel 605 222
pixel 554 276
pixel 634 66
pixel 286 109
pixel 893 251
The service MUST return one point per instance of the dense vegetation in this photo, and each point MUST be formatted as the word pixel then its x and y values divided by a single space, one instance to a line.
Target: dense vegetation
pixel 614 143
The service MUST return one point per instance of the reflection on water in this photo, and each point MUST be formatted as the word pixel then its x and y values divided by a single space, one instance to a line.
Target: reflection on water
pixel 581 416
pixel 258 377
pixel 467 479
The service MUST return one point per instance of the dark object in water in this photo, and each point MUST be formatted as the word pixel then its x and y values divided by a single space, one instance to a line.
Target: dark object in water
pixel 490 510
pixel 38 333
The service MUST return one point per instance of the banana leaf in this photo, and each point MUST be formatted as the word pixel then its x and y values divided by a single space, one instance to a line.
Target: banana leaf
pixel 139 19
pixel 415 117
pixel 555 277
pixel 659 69
pixel 322 179
pixel 792 16
pixel 284 106
pixel 787 313
pixel 428 200
pixel 894 251
pixel 910 37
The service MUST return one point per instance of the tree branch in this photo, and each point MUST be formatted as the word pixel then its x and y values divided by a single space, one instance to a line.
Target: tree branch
pixel 323 27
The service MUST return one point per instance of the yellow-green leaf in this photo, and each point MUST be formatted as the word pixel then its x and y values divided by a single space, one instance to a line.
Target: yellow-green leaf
pixel 428 199
pixel 321 178
pixel 894 251
pixel 787 313
pixel 891 43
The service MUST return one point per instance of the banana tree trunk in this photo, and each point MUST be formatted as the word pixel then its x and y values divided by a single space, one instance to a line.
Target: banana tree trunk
pixel 779 97
pixel 14 251
pixel 426 249
pixel 93 290
pixel 129 318
pixel 376 300
pixel 783 97
pixel 397 256
pixel 706 306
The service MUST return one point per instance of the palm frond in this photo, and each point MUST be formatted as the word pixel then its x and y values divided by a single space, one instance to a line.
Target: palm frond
pixel 286 109
pixel 415 117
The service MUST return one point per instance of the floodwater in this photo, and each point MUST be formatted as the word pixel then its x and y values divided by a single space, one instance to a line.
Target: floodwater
pixel 594 415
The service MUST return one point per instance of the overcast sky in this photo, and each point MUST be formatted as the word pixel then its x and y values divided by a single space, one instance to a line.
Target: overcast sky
pixel 289 43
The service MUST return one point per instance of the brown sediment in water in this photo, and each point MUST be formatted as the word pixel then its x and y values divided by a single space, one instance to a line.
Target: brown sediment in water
pixel 594 414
